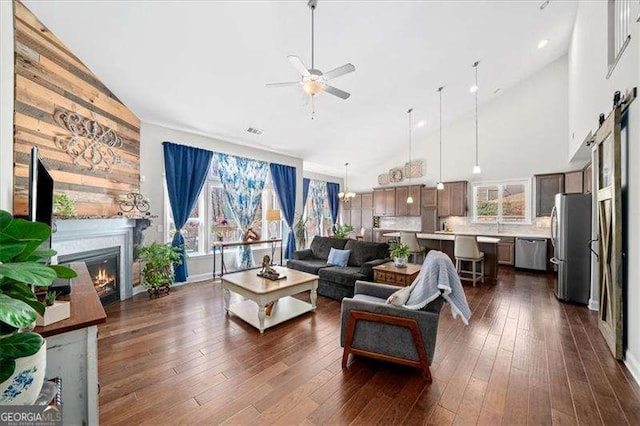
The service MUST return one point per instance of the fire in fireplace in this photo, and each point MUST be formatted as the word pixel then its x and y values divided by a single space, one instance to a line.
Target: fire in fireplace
pixel 104 268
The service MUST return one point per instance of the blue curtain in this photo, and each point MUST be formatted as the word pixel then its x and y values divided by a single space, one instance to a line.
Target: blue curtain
pixel 243 181
pixel 334 202
pixel 186 171
pixel 284 181
pixel 305 191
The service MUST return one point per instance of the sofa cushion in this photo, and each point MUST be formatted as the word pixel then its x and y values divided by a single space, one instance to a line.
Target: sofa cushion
pixel 344 276
pixel 365 251
pixel 338 257
pixel 320 246
pixel 367 298
pixel 310 266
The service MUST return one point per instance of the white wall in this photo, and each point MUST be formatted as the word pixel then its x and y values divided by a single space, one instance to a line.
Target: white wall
pixel 6 105
pixel 152 169
pixel 523 131
pixel 591 93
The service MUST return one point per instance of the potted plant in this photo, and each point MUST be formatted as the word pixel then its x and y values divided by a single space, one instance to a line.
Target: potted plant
pixel 63 205
pixel 157 272
pixel 400 254
pixel 23 352
pixel 342 231
pixel 54 310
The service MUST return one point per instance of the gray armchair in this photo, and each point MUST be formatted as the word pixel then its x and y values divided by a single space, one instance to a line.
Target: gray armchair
pixel 390 333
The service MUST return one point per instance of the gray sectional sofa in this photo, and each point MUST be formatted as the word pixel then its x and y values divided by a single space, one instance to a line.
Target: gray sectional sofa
pixel 337 282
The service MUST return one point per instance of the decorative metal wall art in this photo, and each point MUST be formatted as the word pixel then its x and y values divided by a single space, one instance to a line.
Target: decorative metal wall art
pixel 395 175
pixel 383 179
pixel 415 169
pixel 132 201
pixel 90 144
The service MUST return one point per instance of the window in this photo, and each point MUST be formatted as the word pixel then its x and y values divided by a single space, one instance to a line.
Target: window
pixel 619 28
pixel 503 202
pixel 211 219
pixel 318 224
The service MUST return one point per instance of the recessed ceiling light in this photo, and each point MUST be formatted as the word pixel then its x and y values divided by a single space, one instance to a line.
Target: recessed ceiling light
pixel 473 89
pixel 420 123
pixel 542 43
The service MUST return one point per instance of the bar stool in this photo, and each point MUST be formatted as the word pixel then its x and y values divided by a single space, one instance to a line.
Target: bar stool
pixel 466 250
pixel 411 241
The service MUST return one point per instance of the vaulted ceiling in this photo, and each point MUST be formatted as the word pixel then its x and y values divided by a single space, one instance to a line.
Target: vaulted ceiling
pixel 202 66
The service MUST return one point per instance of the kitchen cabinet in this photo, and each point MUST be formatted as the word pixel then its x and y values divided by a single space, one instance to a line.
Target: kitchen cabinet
pixel 573 182
pixel 506 251
pixel 402 207
pixel 547 186
pixel 429 197
pixel 587 179
pixel 429 220
pixel 367 200
pixel 367 216
pixel 452 200
pixel 384 202
pixel 356 202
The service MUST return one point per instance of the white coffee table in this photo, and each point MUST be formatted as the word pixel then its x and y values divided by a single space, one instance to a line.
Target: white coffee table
pixel 261 291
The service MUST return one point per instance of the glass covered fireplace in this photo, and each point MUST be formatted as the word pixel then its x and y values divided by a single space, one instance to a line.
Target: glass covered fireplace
pixel 104 269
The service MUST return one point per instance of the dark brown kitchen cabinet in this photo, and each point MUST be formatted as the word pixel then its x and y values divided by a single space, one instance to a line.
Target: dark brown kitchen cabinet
pixel 587 179
pixel 506 251
pixel 408 209
pixel 573 182
pixel 367 200
pixel 429 220
pixel 356 202
pixel 452 200
pixel 547 186
pixel 429 197
pixel 384 202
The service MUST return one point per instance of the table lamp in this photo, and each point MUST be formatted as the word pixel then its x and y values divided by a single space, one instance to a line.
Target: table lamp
pixel 273 216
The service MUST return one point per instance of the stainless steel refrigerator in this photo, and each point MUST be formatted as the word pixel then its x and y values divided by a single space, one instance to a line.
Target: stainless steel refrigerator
pixel 570 235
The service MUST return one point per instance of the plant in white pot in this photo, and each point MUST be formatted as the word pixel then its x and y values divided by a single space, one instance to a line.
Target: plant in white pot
pixel 400 255
pixel 23 352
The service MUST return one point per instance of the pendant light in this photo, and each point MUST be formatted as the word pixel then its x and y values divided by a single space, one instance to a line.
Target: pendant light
pixel 440 185
pixel 410 198
pixel 346 196
pixel 476 168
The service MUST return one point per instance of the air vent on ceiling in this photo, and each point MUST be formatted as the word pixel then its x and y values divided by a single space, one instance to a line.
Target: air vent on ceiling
pixel 255 131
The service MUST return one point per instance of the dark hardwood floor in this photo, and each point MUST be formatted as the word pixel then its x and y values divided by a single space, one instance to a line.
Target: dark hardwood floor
pixel 524 359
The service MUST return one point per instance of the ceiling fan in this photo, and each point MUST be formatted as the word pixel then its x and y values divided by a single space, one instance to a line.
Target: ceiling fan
pixel 314 81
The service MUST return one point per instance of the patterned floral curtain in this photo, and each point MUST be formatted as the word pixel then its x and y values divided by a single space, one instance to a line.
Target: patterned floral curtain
pixel 318 194
pixel 243 180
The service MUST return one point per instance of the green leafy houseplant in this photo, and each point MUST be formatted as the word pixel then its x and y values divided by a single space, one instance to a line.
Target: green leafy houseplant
pixel 158 262
pixel 63 205
pixel 342 231
pixel 21 265
pixel 400 254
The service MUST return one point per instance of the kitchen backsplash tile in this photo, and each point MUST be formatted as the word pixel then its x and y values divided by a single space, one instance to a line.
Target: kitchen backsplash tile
pixel 401 223
pixel 539 227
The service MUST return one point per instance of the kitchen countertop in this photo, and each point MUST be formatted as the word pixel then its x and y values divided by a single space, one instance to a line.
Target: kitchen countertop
pixel 496 234
pixel 451 237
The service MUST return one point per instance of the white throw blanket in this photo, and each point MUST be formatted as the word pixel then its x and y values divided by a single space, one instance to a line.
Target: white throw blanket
pixel 438 277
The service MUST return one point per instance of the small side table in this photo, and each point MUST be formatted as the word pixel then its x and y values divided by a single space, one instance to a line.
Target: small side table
pixel 387 273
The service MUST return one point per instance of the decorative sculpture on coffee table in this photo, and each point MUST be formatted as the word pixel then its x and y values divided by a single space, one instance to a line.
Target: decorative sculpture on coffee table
pixel 267 270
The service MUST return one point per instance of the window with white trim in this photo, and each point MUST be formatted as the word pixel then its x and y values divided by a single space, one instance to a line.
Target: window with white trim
pixel 502 202
pixel 211 219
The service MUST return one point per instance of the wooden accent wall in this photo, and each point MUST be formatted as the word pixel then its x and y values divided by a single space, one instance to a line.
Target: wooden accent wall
pixel 48 77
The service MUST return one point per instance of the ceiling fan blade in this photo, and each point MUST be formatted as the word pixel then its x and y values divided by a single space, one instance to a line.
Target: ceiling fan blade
pixel 337 72
pixel 298 65
pixel 288 83
pixel 336 92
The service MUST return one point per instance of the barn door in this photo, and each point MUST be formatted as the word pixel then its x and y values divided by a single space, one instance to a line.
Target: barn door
pixel 606 155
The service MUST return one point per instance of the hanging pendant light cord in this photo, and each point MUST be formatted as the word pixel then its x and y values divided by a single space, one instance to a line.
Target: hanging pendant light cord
pixel 313 10
pixel 440 90
pixel 410 133
pixel 476 67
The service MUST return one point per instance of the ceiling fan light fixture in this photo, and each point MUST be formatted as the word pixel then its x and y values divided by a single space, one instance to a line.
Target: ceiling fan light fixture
pixel 312 87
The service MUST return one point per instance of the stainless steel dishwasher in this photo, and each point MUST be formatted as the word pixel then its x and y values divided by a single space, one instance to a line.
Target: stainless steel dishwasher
pixel 531 253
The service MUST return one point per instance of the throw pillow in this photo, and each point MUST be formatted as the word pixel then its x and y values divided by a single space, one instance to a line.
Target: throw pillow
pixel 400 297
pixel 338 257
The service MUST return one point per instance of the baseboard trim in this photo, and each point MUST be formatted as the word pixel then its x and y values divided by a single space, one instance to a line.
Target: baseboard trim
pixel 594 304
pixel 633 365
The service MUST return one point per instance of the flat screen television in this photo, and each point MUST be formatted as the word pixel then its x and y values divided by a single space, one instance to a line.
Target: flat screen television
pixel 40 192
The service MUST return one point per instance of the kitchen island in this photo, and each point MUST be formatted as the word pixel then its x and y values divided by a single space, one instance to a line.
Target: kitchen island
pixel 445 244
